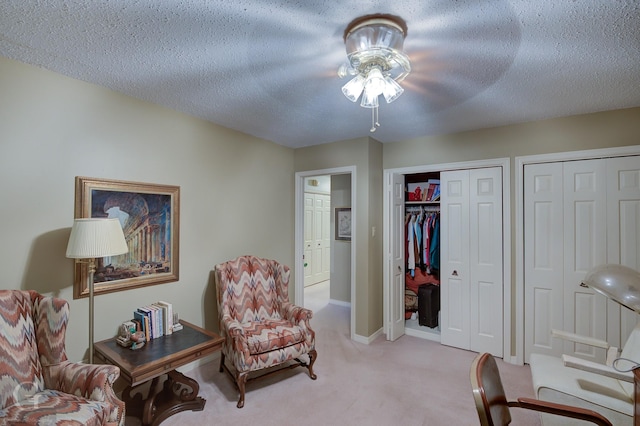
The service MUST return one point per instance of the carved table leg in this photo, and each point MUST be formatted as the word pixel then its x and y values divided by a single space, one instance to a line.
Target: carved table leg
pixel 178 393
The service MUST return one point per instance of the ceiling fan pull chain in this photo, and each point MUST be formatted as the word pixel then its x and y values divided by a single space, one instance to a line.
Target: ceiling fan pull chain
pixel 373 120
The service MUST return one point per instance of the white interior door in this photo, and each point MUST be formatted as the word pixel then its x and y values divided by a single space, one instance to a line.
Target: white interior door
pixel 577 215
pixel 471 258
pixel 395 259
pixel 623 233
pixel 454 259
pixel 321 243
pixel 309 217
pixel 585 246
pixel 486 260
pixel 543 257
pixel 317 238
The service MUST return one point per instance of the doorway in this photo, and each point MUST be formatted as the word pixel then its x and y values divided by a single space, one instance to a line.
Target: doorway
pixel 341 282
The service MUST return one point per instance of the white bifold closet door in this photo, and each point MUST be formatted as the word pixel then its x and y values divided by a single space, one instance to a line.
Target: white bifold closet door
pixel 577 215
pixel 471 259
pixel 623 236
pixel 395 259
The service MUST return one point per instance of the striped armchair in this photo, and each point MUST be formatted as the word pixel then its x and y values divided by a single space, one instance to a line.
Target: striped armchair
pixel 38 385
pixel 261 327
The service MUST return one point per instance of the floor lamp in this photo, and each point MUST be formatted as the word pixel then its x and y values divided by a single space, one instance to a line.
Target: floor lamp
pixel 89 239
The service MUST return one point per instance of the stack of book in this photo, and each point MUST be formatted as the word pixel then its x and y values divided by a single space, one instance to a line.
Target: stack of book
pixel 155 320
pixel 433 190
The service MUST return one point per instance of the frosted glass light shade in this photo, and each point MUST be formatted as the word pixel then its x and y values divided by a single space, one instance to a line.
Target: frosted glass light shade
pixel 617 282
pixel 91 238
pixel 369 100
pixel 353 88
pixel 375 82
pixel 392 90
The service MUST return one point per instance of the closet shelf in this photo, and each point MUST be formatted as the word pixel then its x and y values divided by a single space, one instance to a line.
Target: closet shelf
pixel 417 203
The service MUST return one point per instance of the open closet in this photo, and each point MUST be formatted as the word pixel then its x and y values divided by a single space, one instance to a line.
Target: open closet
pixel 422 252
pixel 447 285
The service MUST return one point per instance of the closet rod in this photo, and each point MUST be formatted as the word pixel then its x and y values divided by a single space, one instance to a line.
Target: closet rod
pixel 428 209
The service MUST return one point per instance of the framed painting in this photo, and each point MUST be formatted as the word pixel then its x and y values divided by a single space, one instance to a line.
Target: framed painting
pixel 343 223
pixel 149 215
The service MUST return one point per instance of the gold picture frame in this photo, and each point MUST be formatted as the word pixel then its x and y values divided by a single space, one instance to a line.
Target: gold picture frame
pixel 150 218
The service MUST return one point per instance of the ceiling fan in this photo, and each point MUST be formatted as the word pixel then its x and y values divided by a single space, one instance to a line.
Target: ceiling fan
pixel 374 46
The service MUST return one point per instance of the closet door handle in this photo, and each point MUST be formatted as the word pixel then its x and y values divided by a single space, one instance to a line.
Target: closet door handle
pixel 454 273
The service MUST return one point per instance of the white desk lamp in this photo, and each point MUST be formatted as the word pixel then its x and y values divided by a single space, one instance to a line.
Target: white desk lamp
pixel 619 283
pixel 89 239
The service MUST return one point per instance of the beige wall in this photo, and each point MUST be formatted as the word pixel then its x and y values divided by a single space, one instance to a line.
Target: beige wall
pixel 340 281
pixel 589 131
pixel 54 128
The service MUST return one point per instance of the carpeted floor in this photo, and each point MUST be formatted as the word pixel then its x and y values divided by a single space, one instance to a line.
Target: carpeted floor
pixel 411 381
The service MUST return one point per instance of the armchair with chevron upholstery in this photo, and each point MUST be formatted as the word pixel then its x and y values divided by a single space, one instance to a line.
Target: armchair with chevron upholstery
pixel 38 385
pixel 262 329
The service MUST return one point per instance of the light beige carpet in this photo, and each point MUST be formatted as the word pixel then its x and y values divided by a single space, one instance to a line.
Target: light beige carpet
pixel 411 381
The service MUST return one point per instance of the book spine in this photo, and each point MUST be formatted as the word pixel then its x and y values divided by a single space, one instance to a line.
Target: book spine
pixel 162 315
pixel 144 320
pixel 149 316
pixel 157 321
pixel 167 310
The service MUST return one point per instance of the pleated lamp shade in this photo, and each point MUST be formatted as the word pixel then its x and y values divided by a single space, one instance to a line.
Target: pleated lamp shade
pixel 91 238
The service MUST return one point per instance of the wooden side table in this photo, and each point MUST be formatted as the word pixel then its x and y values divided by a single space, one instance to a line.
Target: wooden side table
pixel 157 358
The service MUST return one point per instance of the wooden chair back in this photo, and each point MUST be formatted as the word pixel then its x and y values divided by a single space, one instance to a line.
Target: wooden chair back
pixel 488 392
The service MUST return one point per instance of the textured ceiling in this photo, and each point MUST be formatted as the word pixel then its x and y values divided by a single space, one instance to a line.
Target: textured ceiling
pixel 268 68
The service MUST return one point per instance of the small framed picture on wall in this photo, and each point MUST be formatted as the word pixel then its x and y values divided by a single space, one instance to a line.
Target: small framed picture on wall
pixel 343 223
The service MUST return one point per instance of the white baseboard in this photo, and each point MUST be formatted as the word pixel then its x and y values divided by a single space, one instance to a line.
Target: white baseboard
pixel 368 340
pixel 422 334
pixel 340 303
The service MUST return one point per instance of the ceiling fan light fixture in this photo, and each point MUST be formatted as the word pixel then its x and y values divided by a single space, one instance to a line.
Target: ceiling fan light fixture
pixel 374 46
pixel 369 100
pixel 375 83
pixel 392 90
pixel 354 88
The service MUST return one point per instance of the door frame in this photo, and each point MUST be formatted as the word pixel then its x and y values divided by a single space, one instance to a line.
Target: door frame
pixel 299 235
pixel 520 163
pixel 505 163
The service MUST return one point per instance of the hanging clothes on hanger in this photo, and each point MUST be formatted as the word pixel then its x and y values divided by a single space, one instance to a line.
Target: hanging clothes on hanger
pixel 418 239
pixel 411 256
pixel 434 249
